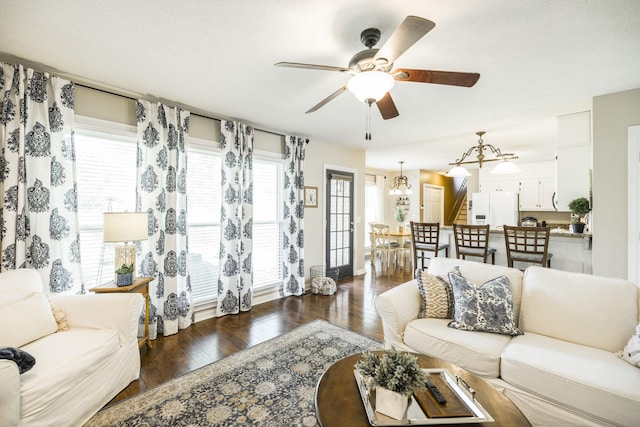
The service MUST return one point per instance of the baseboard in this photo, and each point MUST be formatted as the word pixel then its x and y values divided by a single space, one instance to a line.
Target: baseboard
pixel 207 310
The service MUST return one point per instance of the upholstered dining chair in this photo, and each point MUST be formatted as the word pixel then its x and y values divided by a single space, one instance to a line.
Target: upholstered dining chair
pixel 425 238
pixel 473 240
pixel 527 244
pixel 382 244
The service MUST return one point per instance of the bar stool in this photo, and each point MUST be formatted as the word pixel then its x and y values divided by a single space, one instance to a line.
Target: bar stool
pixel 473 240
pixel 425 238
pixel 527 244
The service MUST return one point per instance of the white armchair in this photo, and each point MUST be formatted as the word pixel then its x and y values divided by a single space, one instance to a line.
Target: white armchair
pixel 77 371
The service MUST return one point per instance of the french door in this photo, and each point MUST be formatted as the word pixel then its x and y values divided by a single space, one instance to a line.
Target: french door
pixel 339 214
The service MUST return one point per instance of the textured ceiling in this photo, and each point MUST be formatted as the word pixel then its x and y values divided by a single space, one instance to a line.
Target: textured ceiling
pixel 537 60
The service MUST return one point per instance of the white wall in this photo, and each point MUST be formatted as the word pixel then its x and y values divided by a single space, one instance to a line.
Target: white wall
pixel 612 116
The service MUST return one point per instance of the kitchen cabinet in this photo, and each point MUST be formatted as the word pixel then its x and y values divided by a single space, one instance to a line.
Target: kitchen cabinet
pixel 503 184
pixel 491 183
pixel 574 129
pixel 536 194
pixel 573 172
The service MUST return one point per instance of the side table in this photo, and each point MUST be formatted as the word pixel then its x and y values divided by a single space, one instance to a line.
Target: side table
pixel 139 285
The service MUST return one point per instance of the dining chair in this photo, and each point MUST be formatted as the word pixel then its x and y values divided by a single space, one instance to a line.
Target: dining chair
pixel 527 244
pixel 473 240
pixel 425 238
pixel 382 244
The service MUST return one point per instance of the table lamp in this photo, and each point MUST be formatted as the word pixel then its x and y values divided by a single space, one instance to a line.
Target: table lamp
pixel 124 229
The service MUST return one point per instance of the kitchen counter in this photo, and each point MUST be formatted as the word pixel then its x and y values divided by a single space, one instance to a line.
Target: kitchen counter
pixel 571 251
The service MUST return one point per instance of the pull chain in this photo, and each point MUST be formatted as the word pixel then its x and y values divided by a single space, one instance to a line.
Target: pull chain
pixel 367 133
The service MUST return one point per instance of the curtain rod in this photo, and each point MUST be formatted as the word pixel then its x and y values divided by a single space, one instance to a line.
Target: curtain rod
pixel 199 114
pixel 87 83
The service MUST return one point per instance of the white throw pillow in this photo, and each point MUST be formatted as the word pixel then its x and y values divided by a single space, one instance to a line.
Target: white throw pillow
pixel 631 352
pixel 26 321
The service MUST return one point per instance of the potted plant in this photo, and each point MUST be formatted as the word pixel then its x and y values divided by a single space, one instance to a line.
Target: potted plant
pixel 124 275
pixel 400 217
pixel 579 207
pixel 395 375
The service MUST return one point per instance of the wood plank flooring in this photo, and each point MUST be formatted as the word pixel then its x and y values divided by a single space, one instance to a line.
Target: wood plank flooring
pixel 210 340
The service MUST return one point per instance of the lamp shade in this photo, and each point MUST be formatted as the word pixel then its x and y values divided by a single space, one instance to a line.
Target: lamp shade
pixel 370 85
pixel 125 226
pixel 505 167
pixel 458 171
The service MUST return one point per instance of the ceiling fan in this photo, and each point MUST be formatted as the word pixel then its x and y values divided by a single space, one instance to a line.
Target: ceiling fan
pixel 372 73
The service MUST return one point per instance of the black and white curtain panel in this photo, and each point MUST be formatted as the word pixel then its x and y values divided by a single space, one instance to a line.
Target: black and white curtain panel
pixel 162 193
pixel 293 234
pixel 39 213
pixel 235 277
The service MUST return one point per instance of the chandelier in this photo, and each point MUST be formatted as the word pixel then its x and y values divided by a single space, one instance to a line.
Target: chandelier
pixel 504 167
pixel 399 181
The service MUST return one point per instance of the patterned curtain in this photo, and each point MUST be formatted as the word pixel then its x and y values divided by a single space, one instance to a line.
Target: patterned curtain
pixel 235 279
pixel 162 193
pixel 39 213
pixel 293 235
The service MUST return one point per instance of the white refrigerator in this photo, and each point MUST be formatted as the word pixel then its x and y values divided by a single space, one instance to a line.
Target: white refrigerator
pixel 496 208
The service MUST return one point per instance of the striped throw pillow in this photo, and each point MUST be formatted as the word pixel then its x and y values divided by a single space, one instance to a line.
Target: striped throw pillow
pixel 437 295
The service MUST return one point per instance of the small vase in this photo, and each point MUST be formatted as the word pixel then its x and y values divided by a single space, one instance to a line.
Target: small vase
pixel 391 403
pixel 577 227
pixel 124 279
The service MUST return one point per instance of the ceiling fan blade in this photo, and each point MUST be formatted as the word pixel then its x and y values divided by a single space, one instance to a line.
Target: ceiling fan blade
pixel 311 66
pixel 326 100
pixel 387 107
pixel 451 78
pixel 412 29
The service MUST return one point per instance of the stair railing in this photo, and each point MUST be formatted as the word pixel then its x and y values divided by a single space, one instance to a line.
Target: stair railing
pixel 459 197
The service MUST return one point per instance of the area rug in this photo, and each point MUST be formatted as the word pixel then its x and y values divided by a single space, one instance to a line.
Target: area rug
pixel 270 384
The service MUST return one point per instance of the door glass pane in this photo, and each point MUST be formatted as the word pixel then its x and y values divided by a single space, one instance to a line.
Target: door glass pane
pixel 339 235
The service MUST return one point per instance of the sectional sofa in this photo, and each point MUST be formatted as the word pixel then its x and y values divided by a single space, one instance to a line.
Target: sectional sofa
pixel 564 370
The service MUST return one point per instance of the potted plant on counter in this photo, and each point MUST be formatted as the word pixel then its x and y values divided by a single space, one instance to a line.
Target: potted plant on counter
pixel 579 208
pixel 395 375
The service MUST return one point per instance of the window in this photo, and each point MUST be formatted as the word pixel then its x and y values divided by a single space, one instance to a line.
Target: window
pixel 106 175
pixel 204 220
pixel 374 203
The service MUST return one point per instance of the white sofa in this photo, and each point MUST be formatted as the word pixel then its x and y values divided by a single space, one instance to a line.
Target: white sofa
pixel 77 371
pixel 564 370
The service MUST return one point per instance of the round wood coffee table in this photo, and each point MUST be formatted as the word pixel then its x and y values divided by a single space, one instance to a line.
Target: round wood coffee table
pixel 338 401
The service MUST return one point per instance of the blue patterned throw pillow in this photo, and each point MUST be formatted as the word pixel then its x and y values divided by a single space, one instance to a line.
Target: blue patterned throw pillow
pixel 488 307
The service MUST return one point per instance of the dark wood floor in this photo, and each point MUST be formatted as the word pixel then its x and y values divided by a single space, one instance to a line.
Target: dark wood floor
pixel 210 340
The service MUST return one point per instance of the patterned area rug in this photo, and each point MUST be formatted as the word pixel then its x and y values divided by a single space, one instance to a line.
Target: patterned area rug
pixel 270 384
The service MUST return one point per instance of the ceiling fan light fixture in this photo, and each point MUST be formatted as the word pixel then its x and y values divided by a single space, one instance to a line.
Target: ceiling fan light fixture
pixel 458 170
pixel 369 85
pixel 505 167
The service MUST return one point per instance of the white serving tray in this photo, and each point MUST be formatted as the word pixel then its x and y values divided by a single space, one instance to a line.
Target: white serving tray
pixel 415 415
